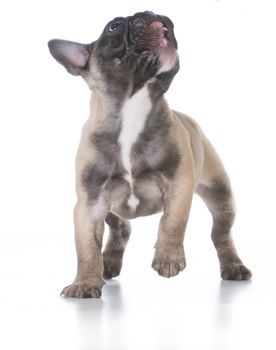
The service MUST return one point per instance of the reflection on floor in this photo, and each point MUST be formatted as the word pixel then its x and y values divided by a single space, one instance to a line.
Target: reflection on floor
pixel 137 311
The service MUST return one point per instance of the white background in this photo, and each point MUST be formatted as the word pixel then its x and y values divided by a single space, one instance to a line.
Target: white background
pixel 227 83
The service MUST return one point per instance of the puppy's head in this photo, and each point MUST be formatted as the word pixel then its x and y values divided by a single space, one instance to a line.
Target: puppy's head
pixel 130 52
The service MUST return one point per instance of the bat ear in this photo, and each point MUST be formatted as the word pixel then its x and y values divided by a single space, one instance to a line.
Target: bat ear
pixel 73 56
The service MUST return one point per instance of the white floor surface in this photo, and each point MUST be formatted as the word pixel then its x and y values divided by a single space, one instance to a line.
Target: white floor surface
pixel 139 310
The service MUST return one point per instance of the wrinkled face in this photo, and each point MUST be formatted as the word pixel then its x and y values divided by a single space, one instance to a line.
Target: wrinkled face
pixel 130 52
pixel 141 34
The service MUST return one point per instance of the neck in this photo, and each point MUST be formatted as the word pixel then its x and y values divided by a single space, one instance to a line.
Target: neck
pixel 108 113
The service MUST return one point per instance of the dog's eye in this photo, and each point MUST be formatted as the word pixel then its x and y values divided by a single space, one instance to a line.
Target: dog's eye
pixel 114 26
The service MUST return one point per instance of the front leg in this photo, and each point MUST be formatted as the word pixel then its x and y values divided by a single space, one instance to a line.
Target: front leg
pixel 89 229
pixel 169 257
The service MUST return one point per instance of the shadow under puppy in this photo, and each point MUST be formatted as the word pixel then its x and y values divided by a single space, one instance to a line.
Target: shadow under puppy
pixel 138 157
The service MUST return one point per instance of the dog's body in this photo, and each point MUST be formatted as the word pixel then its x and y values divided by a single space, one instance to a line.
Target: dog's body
pixel 137 157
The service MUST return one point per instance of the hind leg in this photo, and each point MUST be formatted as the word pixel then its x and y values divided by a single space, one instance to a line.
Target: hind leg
pixel 119 232
pixel 215 190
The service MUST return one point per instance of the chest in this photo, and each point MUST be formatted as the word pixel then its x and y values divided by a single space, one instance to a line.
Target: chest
pixel 128 189
pixel 134 114
pixel 139 143
pixel 132 161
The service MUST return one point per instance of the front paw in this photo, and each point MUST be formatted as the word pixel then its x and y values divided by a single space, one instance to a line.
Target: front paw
pixel 235 272
pixel 82 290
pixel 169 265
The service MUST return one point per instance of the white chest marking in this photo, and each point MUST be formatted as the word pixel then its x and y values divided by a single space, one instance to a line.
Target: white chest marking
pixel 134 115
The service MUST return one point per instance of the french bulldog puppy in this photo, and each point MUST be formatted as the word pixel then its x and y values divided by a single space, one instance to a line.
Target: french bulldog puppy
pixel 138 157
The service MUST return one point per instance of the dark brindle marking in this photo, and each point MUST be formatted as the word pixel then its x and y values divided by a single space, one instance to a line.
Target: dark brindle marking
pixel 137 157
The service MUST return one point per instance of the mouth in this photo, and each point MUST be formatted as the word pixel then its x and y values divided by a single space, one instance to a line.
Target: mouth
pixel 152 38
